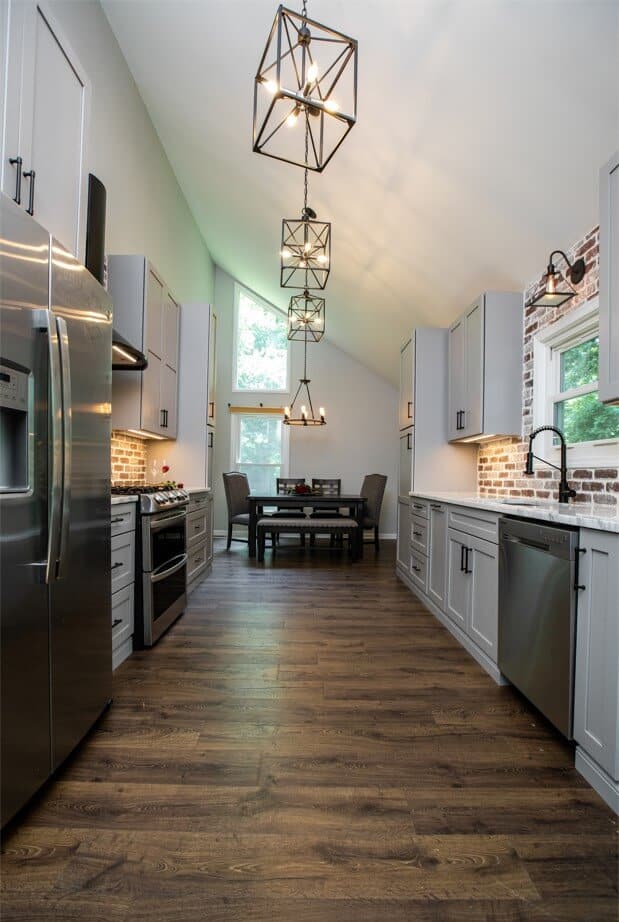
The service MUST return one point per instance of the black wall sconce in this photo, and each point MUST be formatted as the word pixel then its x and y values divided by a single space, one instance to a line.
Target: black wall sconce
pixel 552 296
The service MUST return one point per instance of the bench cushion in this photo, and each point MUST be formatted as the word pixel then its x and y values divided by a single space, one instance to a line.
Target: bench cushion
pixel 306 524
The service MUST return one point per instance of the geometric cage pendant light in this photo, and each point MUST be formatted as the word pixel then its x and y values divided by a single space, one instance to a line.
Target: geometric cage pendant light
pixel 307 78
pixel 306 317
pixel 305 255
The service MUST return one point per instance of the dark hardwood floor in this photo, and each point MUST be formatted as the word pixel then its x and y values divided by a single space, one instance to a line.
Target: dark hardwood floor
pixel 308 744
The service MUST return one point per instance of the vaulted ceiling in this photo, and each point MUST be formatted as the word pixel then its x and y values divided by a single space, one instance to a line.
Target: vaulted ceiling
pixel 482 127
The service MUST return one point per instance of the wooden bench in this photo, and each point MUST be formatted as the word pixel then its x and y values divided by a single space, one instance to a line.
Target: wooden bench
pixel 303 525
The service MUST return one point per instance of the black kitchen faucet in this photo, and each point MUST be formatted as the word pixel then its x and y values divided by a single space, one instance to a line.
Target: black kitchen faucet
pixel 565 491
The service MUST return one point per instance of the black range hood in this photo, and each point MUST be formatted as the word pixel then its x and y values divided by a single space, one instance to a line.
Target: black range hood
pixel 125 357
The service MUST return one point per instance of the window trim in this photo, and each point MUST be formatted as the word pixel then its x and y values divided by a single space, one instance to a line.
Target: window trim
pixel 570 330
pixel 238 289
pixel 235 433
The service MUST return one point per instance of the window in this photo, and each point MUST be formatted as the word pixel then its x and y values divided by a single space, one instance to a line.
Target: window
pixel 260 346
pixel 259 449
pixel 566 390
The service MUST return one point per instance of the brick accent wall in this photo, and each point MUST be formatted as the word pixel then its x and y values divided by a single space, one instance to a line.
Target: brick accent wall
pixel 128 458
pixel 501 462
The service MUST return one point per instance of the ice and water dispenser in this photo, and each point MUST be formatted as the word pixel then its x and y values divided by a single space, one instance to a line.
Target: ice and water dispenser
pixel 15 411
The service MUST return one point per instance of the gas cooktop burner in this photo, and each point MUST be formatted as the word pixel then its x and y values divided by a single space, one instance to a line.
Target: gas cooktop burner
pixel 153 497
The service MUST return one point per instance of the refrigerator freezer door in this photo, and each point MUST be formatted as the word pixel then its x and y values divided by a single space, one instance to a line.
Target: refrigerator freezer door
pixel 81 643
pixel 24 610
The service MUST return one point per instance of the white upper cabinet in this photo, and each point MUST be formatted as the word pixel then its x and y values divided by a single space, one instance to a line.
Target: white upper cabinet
pixel 44 118
pixel 485 368
pixel 609 281
pixel 406 412
pixel 147 315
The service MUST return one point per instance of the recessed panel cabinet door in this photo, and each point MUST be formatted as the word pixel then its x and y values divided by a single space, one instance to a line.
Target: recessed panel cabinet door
pixel 153 314
pixel 170 331
pixel 437 561
pixel 212 371
pixel 404 530
pixel 151 394
pixel 458 585
pixel 596 688
pixel 484 607
pixel 57 188
pixel 474 369
pixel 457 382
pixel 406 385
pixel 168 401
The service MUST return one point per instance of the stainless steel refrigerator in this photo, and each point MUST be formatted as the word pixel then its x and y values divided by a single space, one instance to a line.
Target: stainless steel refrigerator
pixel 55 418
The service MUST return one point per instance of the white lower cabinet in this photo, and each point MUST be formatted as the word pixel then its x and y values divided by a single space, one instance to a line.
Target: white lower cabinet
pixel 596 688
pixel 457 601
pixel 199 532
pixel 437 553
pixel 123 581
pixel 473 589
pixel 403 548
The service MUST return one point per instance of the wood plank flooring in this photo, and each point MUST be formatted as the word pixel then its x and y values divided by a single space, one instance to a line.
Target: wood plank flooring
pixel 308 744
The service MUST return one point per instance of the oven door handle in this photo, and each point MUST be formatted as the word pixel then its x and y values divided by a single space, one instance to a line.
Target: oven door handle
pixel 168 520
pixel 159 574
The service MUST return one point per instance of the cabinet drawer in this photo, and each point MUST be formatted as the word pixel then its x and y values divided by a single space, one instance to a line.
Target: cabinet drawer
pixel 420 507
pixel 198 501
pixel 419 534
pixel 123 557
pixel 419 569
pixel 123 518
pixel 196 527
pixel 122 616
pixel 197 559
pixel 475 522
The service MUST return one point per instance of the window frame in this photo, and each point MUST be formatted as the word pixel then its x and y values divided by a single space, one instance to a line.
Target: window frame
pixel 238 290
pixel 235 437
pixel 577 327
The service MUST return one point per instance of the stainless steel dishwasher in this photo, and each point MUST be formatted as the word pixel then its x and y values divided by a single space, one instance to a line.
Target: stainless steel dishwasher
pixel 538 566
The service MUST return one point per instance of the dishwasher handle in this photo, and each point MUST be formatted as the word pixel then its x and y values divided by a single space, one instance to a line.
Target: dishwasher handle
pixel 528 542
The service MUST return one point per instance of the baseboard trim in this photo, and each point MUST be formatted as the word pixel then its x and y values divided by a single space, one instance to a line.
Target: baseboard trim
pixel 471 648
pixel 598 779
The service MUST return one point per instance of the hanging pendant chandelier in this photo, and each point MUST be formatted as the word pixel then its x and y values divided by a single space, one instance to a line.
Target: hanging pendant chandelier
pixel 306 317
pixel 306 417
pixel 305 255
pixel 307 74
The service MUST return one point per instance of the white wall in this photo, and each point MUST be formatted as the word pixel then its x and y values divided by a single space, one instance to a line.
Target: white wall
pixel 146 210
pixel 361 407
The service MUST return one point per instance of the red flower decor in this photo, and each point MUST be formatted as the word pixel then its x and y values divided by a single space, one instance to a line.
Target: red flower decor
pixel 165 468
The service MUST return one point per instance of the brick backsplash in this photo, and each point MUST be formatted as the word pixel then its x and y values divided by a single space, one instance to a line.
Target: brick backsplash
pixel 128 458
pixel 501 462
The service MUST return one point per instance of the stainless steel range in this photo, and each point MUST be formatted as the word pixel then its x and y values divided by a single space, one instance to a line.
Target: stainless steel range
pixel 161 559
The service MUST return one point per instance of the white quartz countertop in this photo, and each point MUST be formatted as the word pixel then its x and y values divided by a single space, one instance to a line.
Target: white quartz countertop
pixel 191 490
pixel 117 500
pixel 597 517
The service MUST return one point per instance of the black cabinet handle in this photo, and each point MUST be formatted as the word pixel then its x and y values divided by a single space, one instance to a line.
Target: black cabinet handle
pixel 417 534
pixel 210 440
pixel 163 419
pixel 466 560
pixel 17 163
pixel 416 569
pixel 462 549
pixel 460 419
pixel 116 621
pixel 211 409
pixel 410 409
pixel 409 441
pixel 119 563
pixel 31 175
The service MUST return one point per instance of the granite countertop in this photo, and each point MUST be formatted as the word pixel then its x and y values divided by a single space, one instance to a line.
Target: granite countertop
pixel 603 518
pixel 117 500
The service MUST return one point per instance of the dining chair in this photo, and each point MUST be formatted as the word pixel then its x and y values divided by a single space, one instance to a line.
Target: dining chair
pixel 329 486
pixel 288 512
pixel 236 486
pixel 373 488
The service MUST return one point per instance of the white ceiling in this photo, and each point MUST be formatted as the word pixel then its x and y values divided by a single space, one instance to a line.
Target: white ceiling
pixel 482 126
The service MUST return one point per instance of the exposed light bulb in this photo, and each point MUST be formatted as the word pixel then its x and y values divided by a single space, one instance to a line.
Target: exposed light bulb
pixel 312 72
pixel 331 105
pixel 302 263
pixel 307 247
pixel 551 284
pixel 322 257
pixel 286 254
pixel 271 86
pixel 322 412
pixel 304 412
pixel 293 118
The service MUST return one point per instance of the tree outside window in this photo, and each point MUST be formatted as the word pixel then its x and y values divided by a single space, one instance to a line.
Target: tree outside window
pixel 261 360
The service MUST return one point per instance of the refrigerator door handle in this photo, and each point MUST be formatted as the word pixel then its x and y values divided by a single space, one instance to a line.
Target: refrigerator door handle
pixel 55 474
pixel 67 444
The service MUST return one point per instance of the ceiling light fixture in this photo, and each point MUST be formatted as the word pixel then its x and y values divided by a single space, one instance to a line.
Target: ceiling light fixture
pixel 552 296
pixel 306 317
pixel 305 254
pixel 307 74
pixel 306 418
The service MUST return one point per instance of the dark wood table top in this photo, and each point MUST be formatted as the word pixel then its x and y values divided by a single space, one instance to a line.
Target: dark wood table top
pixel 341 499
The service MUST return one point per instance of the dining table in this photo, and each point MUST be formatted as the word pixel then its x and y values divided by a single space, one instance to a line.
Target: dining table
pixel 351 501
